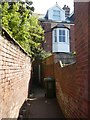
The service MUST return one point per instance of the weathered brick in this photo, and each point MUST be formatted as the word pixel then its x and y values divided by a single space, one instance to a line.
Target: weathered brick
pixel 79 91
pixel 14 78
pixel 72 82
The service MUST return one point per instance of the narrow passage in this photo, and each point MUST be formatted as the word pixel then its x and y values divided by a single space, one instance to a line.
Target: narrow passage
pixel 38 106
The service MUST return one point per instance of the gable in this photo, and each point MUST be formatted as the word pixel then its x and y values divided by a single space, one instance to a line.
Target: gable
pixel 56 7
pixel 56 13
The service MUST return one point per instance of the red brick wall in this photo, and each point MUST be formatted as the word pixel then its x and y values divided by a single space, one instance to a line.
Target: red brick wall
pixel 48 67
pixel 47 45
pixel 89 59
pixel 82 51
pixel 72 38
pixel 15 67
pixel 72 82
pixel 69 93
pixel 66 90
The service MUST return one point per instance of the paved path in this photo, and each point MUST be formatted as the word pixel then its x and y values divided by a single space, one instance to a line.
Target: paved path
pixel 38 106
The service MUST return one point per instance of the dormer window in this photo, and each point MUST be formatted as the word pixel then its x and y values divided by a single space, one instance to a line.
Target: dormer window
pixel 56 14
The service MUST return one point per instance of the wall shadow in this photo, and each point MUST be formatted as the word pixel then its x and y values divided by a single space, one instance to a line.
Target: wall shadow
pixel 24 110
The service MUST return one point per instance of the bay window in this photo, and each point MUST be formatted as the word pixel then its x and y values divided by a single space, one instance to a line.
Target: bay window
pixel 55 35
pixel 61 35
pixel 60 40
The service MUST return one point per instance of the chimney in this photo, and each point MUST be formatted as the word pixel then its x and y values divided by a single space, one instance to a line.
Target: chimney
pixel 67 10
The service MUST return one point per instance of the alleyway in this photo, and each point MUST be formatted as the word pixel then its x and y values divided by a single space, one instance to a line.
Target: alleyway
pixel 38 106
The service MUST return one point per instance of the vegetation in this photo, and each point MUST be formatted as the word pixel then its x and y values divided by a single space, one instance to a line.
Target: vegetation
pixel 18 20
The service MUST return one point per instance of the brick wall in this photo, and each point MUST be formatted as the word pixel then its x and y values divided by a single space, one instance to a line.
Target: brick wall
pixel 82 41
pixel 89 58
pixel 48 67
pixel 47 45
pixel 66 90
pixel 15 67
pixel 72 82
pixel 72 38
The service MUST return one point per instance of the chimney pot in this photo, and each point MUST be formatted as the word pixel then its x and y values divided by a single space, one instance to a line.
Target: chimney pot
pixel 67 10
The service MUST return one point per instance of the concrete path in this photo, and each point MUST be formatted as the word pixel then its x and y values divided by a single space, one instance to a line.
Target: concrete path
pixel 38 106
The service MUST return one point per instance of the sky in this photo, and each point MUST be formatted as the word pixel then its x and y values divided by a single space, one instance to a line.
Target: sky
pixel 41 6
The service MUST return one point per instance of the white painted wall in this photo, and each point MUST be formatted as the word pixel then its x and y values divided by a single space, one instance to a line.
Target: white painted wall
pixel 60 47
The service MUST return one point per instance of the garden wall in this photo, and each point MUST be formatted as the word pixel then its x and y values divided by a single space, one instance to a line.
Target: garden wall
pixel 15 70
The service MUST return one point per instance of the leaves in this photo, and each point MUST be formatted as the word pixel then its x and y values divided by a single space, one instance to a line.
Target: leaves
pixel 16 18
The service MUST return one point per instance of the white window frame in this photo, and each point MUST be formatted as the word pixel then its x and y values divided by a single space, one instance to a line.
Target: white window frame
pixel 57 35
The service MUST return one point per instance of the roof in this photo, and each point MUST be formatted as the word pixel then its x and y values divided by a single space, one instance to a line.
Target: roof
pixel 46 16
pixel 71 18
pixel 60 25
pixel 68 20
pixel 56 5
pixel 44 20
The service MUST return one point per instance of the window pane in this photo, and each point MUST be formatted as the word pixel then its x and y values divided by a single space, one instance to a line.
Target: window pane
pixel 63 38
pixel 60 38
pixel 63 32
pixel 55 32
pixel 61 35
pixel 60 32
pixel 55 38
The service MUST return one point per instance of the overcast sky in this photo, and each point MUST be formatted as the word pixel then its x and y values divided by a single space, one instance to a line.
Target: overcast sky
pixel 41 6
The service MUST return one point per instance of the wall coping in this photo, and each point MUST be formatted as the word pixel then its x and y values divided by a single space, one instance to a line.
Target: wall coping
pixel 67 65
pixel 11 39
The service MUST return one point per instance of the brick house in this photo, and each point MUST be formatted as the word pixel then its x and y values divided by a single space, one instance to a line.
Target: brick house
pixel 58 25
